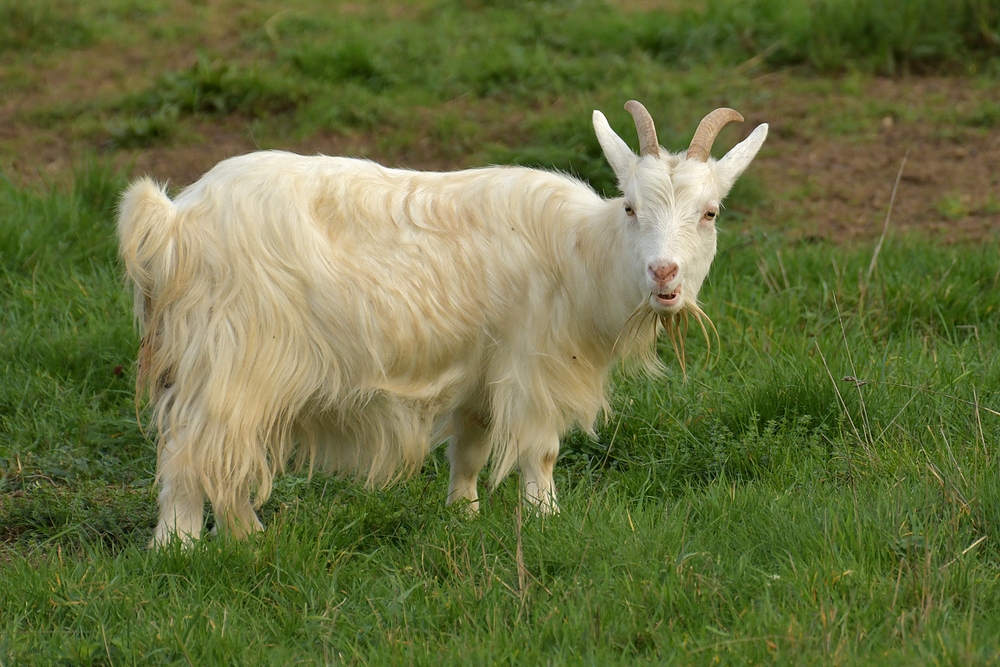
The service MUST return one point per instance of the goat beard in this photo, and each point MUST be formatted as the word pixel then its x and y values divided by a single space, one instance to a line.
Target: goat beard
pixel 637 339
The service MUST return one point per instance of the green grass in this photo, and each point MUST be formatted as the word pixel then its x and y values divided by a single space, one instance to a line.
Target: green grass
pixel 888 37
pixel 319 70
pixel 762 510
pixel 463 83
pixel 41 24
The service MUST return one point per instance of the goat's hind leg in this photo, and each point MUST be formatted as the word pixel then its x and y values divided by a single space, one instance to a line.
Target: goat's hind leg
pixel 537 462
pixel 239 519
pixel 468 452
pixel 181 499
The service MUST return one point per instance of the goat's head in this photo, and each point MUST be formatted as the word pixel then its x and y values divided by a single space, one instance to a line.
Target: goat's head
pixel 671 203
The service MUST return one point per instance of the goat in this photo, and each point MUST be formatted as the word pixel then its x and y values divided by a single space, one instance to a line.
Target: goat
pixel 335 312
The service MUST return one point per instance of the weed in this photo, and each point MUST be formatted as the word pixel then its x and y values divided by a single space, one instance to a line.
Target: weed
pixel 986 115
pixel 352 61
pixel 953 206
pixel 140 131
pixel 213 87
pixel 33 25
pixel 830 35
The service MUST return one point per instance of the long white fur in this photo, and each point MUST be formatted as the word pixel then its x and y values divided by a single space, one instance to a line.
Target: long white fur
pixel 334 312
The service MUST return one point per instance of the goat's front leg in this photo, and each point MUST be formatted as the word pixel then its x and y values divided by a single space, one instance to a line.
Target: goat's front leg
pixel 537 461
pixel 181 497
pixel 468 452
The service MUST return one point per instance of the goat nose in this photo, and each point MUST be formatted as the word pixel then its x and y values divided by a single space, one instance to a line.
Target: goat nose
pixel 663 273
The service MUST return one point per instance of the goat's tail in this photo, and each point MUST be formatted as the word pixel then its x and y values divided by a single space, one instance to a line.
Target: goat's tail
pixel 146 240
pixel 148 246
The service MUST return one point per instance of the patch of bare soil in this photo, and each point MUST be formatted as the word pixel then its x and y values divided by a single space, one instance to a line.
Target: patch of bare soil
pixel 839 187
pixel 948 189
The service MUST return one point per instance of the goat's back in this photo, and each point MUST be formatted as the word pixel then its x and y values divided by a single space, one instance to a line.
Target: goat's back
pixel 337 276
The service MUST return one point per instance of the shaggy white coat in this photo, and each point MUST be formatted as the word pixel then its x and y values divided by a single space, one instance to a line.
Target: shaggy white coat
pixel 336 312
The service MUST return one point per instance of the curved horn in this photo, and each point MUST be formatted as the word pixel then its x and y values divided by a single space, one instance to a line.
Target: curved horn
pixel 708 130
pixel 648 145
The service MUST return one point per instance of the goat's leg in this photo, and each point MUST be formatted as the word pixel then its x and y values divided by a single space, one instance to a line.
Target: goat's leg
pixel 468 452
pixel 239 520
pixel 181 497
pixel 537 461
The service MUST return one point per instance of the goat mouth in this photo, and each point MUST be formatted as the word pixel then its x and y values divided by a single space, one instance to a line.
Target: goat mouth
pixel 668 299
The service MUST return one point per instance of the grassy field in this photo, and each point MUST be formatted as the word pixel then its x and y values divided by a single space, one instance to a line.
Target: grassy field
pixel 823 489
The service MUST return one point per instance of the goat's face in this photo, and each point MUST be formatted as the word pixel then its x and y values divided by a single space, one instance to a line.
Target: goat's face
pixel 671 203
pixel 670 207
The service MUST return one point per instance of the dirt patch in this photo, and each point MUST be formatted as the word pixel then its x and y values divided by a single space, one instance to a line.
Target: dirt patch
pixel 839 187
pixel 839 190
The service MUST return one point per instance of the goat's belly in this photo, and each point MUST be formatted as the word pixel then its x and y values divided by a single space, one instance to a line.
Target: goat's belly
pixel 379 436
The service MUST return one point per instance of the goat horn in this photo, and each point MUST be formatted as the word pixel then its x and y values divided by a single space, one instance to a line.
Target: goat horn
pixel 648 145
pixel 708 130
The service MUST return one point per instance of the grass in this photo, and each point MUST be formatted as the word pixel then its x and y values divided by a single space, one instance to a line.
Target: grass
pixel 41 24
pixel 832 35
pixel 825 488
pixel 320 70
pixel 765 509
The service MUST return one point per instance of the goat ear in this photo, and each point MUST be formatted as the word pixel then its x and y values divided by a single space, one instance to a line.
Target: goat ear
pixel 729 168
pixel 619 155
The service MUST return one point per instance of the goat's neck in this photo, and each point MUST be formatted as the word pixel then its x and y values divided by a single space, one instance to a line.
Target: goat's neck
pixel 608 289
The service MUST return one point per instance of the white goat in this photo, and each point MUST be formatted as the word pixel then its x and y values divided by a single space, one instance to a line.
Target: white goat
pixel 356 315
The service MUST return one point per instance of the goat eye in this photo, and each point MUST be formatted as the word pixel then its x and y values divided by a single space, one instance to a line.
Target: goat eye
pixel 629 210
pixel 710 215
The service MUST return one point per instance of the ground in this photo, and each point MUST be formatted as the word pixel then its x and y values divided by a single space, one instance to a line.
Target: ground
pixel 820 486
